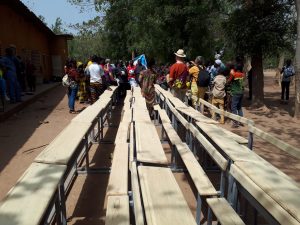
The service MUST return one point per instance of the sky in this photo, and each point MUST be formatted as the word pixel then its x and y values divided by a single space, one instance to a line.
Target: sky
pixel 52 9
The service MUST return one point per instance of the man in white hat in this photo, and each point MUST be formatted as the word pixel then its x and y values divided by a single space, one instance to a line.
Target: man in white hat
pixel 178 76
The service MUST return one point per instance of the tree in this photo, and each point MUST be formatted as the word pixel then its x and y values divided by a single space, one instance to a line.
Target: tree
pixel 57 27
pixel 297 64
pixel 258 28
pixel 42 18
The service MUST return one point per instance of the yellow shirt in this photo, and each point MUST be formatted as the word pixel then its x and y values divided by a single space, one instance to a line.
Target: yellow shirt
pixel 194 73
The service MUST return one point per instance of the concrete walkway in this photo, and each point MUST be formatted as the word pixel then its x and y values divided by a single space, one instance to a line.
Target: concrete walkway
pixel 11 109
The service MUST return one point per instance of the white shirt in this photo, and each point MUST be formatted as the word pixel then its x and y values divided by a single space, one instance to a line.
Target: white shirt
pixel 95 72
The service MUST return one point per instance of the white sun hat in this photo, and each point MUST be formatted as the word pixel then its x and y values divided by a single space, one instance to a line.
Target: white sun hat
pixel 180 53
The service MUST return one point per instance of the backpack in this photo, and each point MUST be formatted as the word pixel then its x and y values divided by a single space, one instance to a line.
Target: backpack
pixel 66 81
pixel 288 72
pixel 203 78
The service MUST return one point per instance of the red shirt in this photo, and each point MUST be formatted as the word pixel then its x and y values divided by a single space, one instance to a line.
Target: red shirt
pixel 177 69
pixel 131 68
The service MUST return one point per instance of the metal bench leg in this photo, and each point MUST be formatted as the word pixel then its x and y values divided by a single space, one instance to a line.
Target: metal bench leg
pixel 222 184
pixel 198 212
pixel 62 199
pixel 209 217
pixel 250 140
pixel 87 160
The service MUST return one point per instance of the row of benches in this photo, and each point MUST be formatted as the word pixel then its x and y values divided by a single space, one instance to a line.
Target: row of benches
pixel 40 193
pixel 276 205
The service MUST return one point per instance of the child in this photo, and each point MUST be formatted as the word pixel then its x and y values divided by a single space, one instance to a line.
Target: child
pixel 218 92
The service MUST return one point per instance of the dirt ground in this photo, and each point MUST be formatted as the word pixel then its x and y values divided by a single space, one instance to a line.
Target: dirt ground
pixel 25 135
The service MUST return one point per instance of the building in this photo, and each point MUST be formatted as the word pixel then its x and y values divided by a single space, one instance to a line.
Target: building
pixel 33 39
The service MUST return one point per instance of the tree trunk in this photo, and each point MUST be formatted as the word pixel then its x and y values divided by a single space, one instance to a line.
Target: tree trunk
pixel 278 70
pixel 297 64
pixel 257 80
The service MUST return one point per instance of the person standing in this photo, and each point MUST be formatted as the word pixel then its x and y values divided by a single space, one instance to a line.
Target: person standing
pixel 236 79
pixel 147 79
pixel 219 93
pixel 30 76
pixel 178 75
pixel 71 70
pixel 198 87
pixel 95 72
pixel 287 72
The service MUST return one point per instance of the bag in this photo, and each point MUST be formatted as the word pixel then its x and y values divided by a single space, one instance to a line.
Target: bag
pixel 203 78
pixel 181 82
pixel 66 81
pixel 288 72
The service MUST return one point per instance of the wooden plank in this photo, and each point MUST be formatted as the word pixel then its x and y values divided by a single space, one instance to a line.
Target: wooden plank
pixel 117 212
pixel 279 213
pixel 237 138
pixel 276 142
pixel 118 179
pixel 148 146
pixel 227 114
pixel 163 201
pixel 198 175
pixel 163 116
pixel 277 187
pixel 179 117
pixel 62 148
pixel 122 134
pixel 210 149
pixel 224 212
pixel 27 201
pixel 172 134
pixel 231 148
pixel 196 115
pixel 88 115
pixel 137 202
pixel 131 145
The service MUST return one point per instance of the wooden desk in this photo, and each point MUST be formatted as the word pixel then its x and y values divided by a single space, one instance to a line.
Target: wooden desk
pixel 28 200
pixel 163 200
pixel 196 115
pixel 62 148
pixel 275 193
pixel 148 145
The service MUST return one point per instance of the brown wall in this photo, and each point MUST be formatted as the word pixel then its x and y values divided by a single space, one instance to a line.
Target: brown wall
pixel 30 41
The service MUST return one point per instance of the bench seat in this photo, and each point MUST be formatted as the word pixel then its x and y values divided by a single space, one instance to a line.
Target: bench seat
pixel 28 200
pixel 117 212
pixel 224 212
pixel 163 200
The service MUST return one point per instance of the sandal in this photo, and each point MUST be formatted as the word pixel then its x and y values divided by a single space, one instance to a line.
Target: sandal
pixel 73 112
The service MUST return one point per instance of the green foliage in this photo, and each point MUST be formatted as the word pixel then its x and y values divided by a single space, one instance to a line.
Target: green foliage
pixel 58 27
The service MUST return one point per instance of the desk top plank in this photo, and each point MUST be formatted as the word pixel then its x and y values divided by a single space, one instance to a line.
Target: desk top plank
pixel 148 145
pixel 62 148
pixel 198 175
pixel 27 201
pixel 163 201
pixel 88 115
pixel 196 115
pixel 117 212
pixel 276 186
pixel 279 213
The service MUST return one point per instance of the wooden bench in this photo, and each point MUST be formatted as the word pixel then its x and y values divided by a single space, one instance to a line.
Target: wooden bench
pixel 164 202
pixel 27 202
pixel 262 186
pixel 162 115
pixel 195 115
pixel 148 145
pixel 63 147
pixel 122 135
pixel 117 212
pixel 223 211
pixel 291 150
pixel 137 202
pixel 118 179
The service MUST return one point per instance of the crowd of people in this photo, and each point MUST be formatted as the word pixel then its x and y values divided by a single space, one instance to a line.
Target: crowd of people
pixel 16 76
pixel 222 84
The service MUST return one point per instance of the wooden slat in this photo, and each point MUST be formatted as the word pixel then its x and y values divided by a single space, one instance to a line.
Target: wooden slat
pixel 131 145
pixel 179 117
pixel 122 134
pixel 196 115
pixel 277 187
pixel 163 201
pixel 27 201
pixel 117 212
pixel 198 175
pixel 118 179
pixel 276 142
pixel 211 150
pixel 148 145
pixel 224 212
pixel 62 148
pixel 172 134
pixel 237 138
pixel 88 115
pixel 137 202
pixel 280 214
